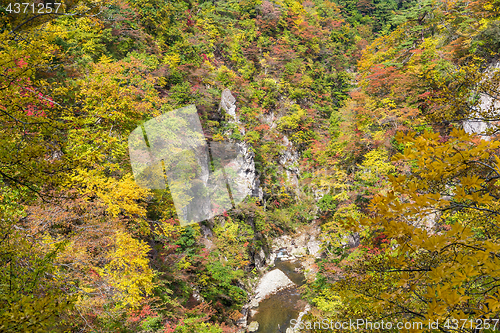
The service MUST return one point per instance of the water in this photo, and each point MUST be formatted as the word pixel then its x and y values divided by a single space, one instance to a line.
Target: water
pixel 283 306
pixel 288 268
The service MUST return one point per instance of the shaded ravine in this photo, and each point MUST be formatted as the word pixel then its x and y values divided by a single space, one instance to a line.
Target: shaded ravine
pixel 275 313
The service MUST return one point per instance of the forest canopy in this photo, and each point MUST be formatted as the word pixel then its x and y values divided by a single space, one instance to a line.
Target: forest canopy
pixel 373 120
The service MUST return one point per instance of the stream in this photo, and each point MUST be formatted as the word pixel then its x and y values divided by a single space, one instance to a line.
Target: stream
pixel 274 313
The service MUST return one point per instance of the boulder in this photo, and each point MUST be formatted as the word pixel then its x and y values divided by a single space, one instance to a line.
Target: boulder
pixel 271 283
pixel 242 322
pixel 310 268
pixel 253 327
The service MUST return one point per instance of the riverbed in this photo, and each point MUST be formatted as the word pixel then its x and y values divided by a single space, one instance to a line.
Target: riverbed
pixel 275 313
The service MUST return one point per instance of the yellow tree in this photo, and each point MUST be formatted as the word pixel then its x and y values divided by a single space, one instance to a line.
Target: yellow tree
pixel 32 299
pixel 66 143
pixel 434 251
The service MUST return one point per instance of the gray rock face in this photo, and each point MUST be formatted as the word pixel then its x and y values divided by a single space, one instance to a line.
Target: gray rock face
pixel 305 243
pixel 289 157
pixel 488 107
pixel 289 160
pixel 430 221
pixel 476 126
pixel 247 175
pixel 248 182
pixel 228 102
pixel 271 283
pixel 353 240
pixel 260 259
pixel 314 247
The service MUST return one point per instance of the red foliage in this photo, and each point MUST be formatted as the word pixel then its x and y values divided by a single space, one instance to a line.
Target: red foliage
pixel 262 128
pixel 189 19
pixel 144 313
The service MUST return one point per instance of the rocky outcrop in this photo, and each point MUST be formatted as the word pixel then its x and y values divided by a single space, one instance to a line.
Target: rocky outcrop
pixel 247 176
pixel 487 108
pixel 314 247
pixel 260 259
pixel 288 160
pixel 305 246
pixel 289 157
pixel 352 240
pixel 305 243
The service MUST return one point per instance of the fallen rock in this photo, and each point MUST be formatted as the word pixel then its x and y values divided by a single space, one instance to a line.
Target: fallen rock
pixel 271 283
pixel 253 327
pixel 242 322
